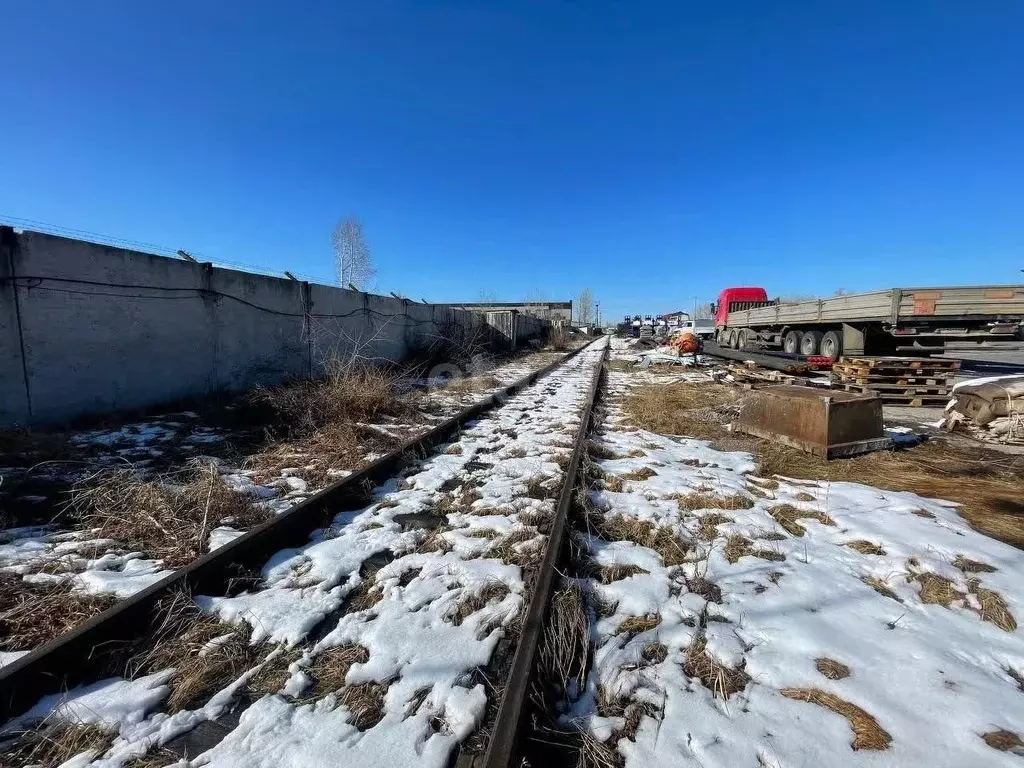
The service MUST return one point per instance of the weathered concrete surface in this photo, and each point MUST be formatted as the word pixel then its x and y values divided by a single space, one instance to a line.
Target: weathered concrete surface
pixel 105 328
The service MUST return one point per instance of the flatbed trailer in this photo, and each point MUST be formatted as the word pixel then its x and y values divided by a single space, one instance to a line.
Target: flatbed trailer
pixel 876 322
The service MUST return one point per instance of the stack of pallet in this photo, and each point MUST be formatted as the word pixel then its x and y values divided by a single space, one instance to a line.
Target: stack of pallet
pixel 912 381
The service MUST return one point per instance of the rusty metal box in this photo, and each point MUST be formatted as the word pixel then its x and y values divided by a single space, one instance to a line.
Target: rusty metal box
pixel 826 423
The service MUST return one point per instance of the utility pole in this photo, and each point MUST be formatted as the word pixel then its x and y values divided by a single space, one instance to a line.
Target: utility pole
pixel 597 314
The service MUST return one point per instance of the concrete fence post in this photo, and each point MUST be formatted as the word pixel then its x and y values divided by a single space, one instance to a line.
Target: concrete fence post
pixel 15 391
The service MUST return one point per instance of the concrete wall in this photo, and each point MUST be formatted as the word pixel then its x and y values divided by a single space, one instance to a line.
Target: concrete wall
pixel 88 328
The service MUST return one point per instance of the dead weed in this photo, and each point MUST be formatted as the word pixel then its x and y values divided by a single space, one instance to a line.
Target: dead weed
pixel 868 734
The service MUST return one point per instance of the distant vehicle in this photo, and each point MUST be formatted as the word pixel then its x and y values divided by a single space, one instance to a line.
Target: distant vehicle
pixel 704 329
pixel 874 323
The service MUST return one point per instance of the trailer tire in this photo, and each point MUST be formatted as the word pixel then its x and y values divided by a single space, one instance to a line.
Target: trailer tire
pixel 810 343
pixel 832 345
pixel 736 340
pixel 791 342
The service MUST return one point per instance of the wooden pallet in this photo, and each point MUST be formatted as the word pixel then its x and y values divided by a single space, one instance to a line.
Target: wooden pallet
pixel 895 381
pixel 898 380
pixel 890 366
pixel 885 389
pixel 914 397
pixel 920 401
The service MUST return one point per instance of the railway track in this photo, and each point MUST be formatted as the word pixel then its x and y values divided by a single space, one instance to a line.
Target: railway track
pixel 424 577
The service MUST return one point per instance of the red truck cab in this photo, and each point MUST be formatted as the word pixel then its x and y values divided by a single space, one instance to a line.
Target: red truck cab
pixel 734 299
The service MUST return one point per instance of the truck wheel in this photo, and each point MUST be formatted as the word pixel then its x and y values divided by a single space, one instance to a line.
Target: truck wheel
pixel 736 340
pixel 810 343
pixel 832 345
pixel 791 342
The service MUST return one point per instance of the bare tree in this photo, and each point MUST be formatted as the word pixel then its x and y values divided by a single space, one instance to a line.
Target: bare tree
pixel 352 258
pixel 584 307
pixel 704 311
pixel 487 297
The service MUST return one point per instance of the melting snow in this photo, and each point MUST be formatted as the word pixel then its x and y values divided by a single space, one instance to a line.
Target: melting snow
pixel 935 678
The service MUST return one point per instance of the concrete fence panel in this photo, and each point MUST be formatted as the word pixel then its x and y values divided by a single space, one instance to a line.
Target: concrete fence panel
pixel 87 328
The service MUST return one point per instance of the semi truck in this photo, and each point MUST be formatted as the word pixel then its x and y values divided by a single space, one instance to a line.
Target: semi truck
pixel 886 322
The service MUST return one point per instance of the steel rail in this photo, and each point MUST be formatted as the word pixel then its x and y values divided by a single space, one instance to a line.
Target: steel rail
pixel 503 746
pixel 89 651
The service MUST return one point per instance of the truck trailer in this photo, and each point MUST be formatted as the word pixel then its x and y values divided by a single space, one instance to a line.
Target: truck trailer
pixel 874 323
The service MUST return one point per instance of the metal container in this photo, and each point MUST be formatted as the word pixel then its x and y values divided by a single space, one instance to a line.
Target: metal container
pixel 822 422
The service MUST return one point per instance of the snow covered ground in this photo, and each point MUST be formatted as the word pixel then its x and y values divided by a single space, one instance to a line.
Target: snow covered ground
pixel 55 555
pixel 795 623
pixel 419 587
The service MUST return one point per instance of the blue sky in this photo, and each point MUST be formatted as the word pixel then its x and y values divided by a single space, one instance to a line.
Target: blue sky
pixel 649 151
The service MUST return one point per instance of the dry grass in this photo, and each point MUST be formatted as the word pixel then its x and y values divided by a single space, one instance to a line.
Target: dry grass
pixel 868 734
pixel 599 450
pixel 690 409
pixel 33 614
pixel 635 625
pixel 366 703
pixel 492 592
pixel 614 483
pixel 987 484
pixel 330 667
pixel 865 547
pixel 654 653
pixel 993 607
pixel 566 641
pixel 644 473
pixel 54 743
pixel 698 500
pixel 558 339
pixel 787 515
pixel 831 668
pixel 436 541
pixel 937 590
pixel 167 521
pixel 352 390
pixel 1002 740
pixel 608 573
pixel 723 681
pixel 274 673
pixel 662 540
pixel 967 565
pixel 331 447
pixel 157 757
pixel 184 641
pixel 708 530
pixel 705 588
pixel 737 546
pixel 880 587
pixel 804 496
pixel 633 716
pixel 508 549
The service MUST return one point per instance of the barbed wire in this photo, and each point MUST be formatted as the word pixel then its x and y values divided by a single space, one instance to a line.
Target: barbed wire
pixel 152 248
